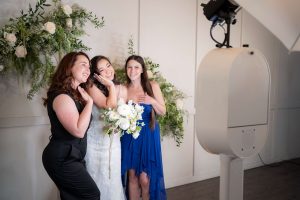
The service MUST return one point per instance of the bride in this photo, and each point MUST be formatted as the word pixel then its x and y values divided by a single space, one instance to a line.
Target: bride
pixel 103 156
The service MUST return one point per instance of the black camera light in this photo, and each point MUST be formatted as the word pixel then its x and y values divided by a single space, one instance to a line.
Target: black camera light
pixel 220 11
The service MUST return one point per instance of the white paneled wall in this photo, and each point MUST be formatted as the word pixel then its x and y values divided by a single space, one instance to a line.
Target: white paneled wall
pixel 121 22
pixel 168 36
pixel 22 172
pixel 284 104
pixel 174 34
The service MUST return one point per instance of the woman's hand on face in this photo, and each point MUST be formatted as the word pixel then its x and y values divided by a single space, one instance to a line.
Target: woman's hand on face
pixel 106 82
pixel 85 95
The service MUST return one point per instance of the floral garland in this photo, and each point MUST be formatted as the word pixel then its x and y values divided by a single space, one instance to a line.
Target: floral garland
pixel 30 42
pixel 171 124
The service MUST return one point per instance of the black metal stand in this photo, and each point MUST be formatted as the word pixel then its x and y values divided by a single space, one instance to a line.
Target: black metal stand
pixel 227 34
pixel 226 41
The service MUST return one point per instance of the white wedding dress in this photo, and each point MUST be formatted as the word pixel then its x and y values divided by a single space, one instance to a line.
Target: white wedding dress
pixel 103 159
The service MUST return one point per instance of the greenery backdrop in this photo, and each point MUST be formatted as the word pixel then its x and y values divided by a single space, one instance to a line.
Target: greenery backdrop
pixel 31 42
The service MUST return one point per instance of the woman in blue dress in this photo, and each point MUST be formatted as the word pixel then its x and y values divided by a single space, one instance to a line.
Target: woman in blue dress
pixel 141 157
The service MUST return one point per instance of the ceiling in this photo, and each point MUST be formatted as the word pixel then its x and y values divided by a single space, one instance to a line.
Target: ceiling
pixel 281 17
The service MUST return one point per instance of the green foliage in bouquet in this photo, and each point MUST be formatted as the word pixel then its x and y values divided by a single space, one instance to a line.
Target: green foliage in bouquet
pixel 171 124
pixel 30 43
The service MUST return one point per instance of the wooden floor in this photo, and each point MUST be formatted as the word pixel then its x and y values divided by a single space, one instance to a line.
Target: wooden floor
pixel 280 181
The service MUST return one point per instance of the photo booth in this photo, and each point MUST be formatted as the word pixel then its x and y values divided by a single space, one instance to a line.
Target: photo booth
pixel 232 101
pixel 232 104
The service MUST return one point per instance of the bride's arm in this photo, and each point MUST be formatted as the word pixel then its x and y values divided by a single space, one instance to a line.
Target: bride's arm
pixel 100 100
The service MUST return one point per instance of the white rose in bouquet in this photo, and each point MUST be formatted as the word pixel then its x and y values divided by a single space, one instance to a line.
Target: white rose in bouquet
pixel 1 67
pixel 123 123
pixel 67 10
pixel 10 38
pixel 21 51
pixel 50 27
pixel 113 116
pixel 132 113
pixel 124 110
pixel 124 119
pixel 139 109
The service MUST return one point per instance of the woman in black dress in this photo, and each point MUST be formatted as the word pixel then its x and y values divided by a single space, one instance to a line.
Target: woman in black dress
pixel 69 110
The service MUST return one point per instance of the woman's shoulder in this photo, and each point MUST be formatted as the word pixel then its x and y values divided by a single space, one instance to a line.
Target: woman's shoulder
pixel 154 84
pixel 64 98
pixel 58 93
pixel 57 99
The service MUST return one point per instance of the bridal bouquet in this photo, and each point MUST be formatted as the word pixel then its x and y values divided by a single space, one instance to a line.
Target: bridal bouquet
pixel 124 118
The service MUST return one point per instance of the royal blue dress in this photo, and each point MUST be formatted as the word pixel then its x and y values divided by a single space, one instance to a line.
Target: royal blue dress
pixel 144 155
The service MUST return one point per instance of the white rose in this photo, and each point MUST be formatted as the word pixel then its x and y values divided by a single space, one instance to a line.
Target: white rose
pixel 124 123
pixel 75 6
pixel 150 74
pixel 133 112
pixel 67 9
pixel 50 27
pixel 113 116
pixel 1 67
pixel 179 104
pixel 21 51
pixel 69 22
pixel 11 38
pixel 124 110
pixel 135 134
pixel 139 108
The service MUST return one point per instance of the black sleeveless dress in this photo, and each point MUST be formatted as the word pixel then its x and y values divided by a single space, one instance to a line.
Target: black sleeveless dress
pixel 63 159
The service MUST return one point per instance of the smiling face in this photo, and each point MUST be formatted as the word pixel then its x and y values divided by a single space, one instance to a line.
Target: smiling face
pixel 134 70
pixel 105 69
pixel 80 70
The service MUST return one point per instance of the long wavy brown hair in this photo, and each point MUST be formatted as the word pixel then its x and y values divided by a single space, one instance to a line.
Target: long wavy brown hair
pixel 144 82
pixel 61 81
